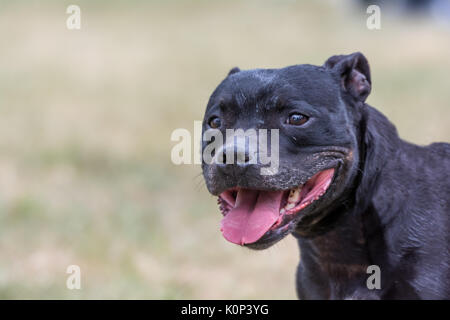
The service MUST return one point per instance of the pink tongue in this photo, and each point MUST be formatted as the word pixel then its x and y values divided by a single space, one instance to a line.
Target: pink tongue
pixel 253 215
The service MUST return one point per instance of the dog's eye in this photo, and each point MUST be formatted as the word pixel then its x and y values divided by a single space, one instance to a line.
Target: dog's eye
pixel 214 122
pixel 296 119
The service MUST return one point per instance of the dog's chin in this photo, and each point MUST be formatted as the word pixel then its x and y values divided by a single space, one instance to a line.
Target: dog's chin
pixel 258 219
pixel 272 237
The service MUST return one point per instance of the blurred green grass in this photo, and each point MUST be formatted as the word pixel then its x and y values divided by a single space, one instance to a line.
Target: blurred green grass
pixel 85 123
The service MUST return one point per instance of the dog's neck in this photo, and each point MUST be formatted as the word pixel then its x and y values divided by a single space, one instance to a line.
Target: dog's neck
pixel 340 255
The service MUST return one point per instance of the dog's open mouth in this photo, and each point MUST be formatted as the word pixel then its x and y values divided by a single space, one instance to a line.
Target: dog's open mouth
pixel 249 213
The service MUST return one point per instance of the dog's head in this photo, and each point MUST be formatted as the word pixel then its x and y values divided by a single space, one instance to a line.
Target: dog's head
pixel 314 146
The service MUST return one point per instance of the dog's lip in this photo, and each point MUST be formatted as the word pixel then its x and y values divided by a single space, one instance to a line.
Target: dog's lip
pixel 227 195
pixel 338 155
pixel 288 226
pixel 287 218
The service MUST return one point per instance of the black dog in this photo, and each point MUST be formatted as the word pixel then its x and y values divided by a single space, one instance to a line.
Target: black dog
pixel 348 188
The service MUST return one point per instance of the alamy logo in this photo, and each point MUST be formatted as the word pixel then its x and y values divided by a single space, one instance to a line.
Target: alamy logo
pixel 74 280
pixel 374 280
pixel 374 20
pixel 239 146
pixel 73 22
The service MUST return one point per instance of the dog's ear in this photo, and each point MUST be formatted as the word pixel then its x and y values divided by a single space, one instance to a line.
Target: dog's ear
pixel 354 72
pixel 234 70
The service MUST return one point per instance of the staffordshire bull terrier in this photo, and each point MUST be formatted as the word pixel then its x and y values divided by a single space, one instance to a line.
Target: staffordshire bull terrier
pixel 347 187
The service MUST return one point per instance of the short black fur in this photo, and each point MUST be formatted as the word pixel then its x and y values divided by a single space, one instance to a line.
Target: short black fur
pixel 388 204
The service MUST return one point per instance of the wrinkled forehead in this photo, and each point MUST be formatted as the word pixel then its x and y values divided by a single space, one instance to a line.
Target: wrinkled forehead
pixel 269 87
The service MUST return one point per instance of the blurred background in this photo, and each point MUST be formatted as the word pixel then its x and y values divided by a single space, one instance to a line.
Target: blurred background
pixel 86 117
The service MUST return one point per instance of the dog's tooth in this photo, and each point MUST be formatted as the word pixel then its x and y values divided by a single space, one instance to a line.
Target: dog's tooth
pixel 283 211
pixel 294 195
pixel 290 206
